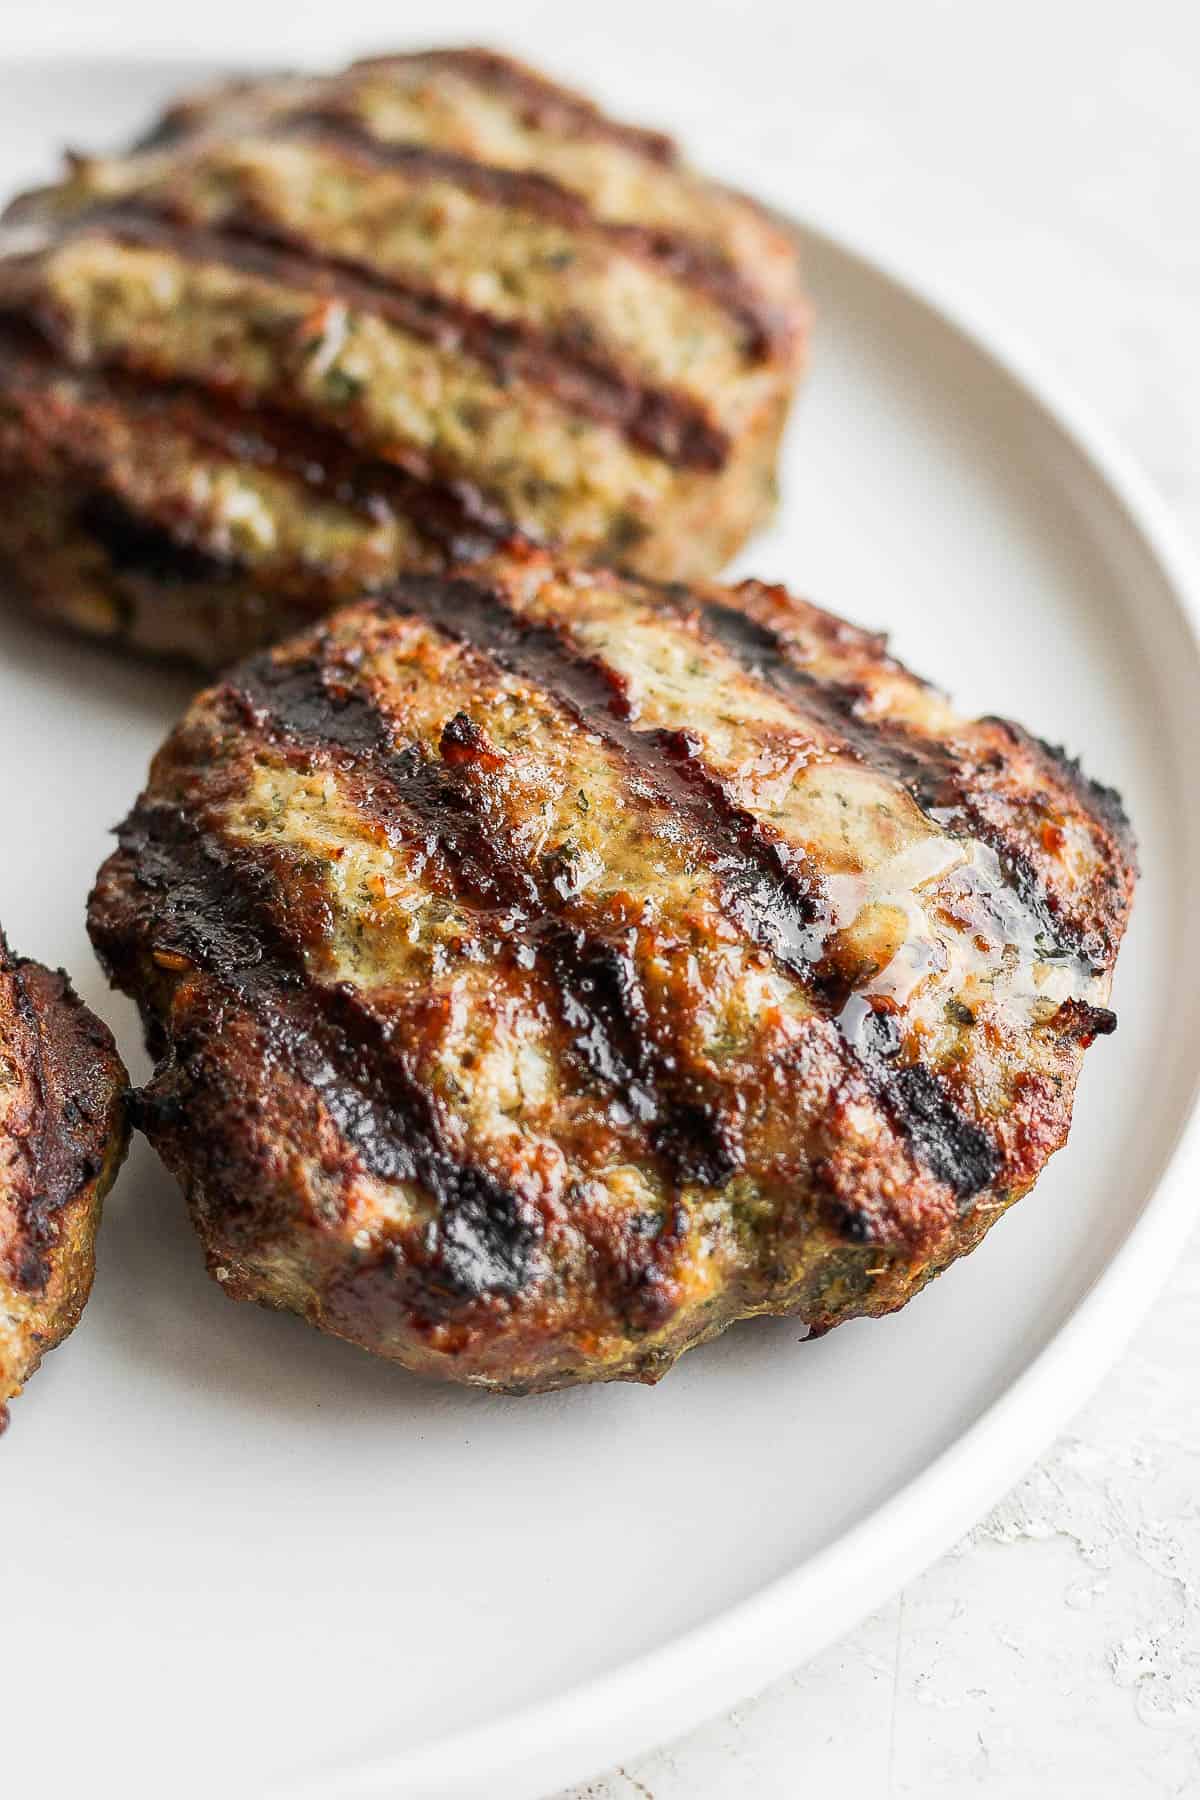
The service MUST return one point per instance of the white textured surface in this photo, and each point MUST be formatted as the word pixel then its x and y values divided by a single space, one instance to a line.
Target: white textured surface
pixel 1055 1652
pixel 1046 155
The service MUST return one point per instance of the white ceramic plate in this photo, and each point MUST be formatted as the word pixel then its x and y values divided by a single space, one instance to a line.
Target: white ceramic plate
pixel 241 1558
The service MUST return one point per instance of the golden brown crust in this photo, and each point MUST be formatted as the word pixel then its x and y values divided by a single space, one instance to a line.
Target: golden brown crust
pixel 62 1138
pixel 458 278
pixel 549 968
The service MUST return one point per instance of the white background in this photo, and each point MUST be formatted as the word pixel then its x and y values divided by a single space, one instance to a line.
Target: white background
pixel 1045 154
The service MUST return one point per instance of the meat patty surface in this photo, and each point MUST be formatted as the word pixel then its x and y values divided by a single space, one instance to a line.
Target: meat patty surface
pixel 62 1139
pixel 549 967
pixel 313 331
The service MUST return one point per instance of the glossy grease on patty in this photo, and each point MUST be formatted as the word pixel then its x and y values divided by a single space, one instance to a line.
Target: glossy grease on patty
pixel 314 331
pixel 548 968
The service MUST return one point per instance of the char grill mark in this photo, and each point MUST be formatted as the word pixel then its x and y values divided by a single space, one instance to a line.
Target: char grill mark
pixel 603 348
pixel 595 980
pixel 62 1153
pixel 686 260
pixel 665 423
pixel 936 774
pixel 309 704
pixel 946 1143
pixel 604 1007
pixel 943 1139
pixel 38 1193
pixel 1093 796
pixel 770 897
pixel 137 545
pixel 453 515
pixel 766 894
pixel 213 906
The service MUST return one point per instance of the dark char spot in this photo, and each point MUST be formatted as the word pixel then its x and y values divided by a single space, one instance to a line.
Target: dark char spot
pixel 215 905
pixel 595 978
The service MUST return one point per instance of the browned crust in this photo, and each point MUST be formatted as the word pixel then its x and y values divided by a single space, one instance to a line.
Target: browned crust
pixel 715 429
pixel 61 1142
pixel 768 329
pixel 170 585
pixel 148 570
pixel 52 423
pixel 539 101
pixel 669 425
pixel 331 119
pixel 988 775
pixel 865 1163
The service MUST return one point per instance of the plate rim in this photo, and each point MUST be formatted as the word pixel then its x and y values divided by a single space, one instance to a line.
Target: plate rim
pixel 655 1697
pixel 658 1696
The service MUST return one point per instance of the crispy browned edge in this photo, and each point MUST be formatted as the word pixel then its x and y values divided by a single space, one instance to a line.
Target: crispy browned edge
pixel 166 591
pixel 74 1140
pixel 216 903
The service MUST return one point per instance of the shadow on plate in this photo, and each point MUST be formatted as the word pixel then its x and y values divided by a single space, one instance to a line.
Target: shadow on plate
pixel 149 691
pixel 165 1319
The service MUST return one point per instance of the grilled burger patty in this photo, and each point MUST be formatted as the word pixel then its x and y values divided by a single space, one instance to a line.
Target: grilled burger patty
pixel 62 1138
pixel 315 331
pixel 549 968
